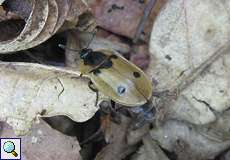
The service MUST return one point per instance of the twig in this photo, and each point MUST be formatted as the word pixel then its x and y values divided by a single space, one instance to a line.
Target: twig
pixel 143 20
pixel 196 72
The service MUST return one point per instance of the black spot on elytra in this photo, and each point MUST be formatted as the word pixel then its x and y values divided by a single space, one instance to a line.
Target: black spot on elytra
pixel 107 64
pixel 121 89
pixel 96 72
pixel 93 58
pixel 136 74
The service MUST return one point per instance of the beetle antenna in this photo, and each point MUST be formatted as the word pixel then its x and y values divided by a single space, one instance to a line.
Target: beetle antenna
pixel 62 46
pixel 94 33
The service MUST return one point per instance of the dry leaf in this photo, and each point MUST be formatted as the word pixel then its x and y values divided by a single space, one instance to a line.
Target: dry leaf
pixel 28 90
pixel 141 56
pixel 190 49
pixel 135 136
pixel 187 141
pixel 34 25
pixel 119 16
pixel 42 20
pixel 117 148
pixel 123 16
pixel 45 141
pixel 4 15
pixel 77 8
pixel 187 40
pixel 149 151
pixel 145 35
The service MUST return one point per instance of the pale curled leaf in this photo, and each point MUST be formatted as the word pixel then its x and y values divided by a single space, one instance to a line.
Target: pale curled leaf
pixel 187 36
pixel 26 90
pixel 34 25
pixel 43 21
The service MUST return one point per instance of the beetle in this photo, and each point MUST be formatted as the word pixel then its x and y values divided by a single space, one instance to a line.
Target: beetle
pixel 114 76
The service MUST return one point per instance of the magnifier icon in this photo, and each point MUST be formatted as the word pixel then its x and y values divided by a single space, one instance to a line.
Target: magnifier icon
pixel 9 147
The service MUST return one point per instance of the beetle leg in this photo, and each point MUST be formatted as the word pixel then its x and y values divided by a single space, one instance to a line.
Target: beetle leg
pixel 94 89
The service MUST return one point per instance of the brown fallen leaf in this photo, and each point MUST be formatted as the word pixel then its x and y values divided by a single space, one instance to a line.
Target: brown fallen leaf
pixel 140 56
pixel 10 28
pixel 135 136
pixel 123 16
pixel 45 141
pixel 119 16
pixel 146 31
pixel 117 147
pixel 4 15
pixel 77 8
pixel 22 9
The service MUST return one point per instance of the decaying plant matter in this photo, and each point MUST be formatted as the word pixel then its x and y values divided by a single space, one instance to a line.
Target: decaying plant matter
pixel 183 45
pixel 41 19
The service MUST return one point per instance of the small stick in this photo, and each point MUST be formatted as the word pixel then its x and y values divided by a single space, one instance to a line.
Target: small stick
pixel 143 20
pixel 224 49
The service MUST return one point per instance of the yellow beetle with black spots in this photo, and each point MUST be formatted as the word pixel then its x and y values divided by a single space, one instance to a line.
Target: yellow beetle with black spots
pixel 114 76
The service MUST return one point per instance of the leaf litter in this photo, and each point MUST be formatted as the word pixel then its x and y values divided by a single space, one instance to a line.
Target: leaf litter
pixel 187 57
